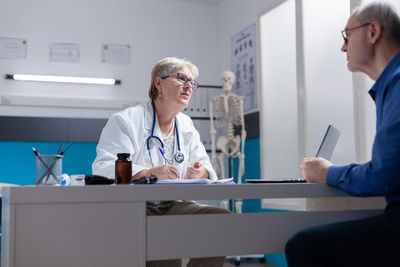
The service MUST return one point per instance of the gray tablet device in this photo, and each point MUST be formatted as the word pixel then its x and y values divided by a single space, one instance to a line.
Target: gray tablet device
pixel 325 151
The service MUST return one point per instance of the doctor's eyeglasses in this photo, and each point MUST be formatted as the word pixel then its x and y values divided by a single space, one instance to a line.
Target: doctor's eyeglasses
pixel 183 79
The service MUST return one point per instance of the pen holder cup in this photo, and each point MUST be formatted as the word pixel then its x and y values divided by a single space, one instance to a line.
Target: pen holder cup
pixel 48 169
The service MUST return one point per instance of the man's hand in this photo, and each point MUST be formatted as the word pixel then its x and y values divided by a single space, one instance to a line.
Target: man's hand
pixel 197 171
pixel 314 170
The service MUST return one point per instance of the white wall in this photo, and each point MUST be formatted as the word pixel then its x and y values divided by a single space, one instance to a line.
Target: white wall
pixel 327 93
pixel 324 91
pixel 153 28
pixel 234 16
pixel 278 112
pixel 301 60
pixel 329 89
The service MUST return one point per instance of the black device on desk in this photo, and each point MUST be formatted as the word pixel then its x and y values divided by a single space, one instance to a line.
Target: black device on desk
pixel 152 179
pixel 97 179
pixel 325 151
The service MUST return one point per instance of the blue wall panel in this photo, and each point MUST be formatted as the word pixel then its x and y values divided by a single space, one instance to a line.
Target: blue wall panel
pixel 18 163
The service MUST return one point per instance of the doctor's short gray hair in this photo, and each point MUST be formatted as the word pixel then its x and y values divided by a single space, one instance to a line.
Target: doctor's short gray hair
pixel 167 66
pixel 385 14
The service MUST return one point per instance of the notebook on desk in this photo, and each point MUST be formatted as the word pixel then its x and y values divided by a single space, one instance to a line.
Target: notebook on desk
pixel 325 151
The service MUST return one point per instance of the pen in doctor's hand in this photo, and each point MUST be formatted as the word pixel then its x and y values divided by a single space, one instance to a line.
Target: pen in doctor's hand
pixel 162 153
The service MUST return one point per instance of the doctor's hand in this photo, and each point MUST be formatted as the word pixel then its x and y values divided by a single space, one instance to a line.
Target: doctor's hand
pixel 163 172
pixel 315 170
pixel 197 171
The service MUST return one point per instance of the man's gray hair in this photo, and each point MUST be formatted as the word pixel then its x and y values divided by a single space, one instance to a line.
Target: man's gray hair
pixel 385 14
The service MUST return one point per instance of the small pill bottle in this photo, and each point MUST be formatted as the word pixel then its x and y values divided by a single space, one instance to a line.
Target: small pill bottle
pixel 123 169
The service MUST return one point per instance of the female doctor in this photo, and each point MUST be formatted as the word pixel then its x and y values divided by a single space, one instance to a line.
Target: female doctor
pixel 162 141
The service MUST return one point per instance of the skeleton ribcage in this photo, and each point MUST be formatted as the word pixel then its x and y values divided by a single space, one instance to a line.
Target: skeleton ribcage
pixel 227 115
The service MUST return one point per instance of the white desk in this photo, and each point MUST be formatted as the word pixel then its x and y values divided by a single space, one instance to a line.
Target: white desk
pixel 107 226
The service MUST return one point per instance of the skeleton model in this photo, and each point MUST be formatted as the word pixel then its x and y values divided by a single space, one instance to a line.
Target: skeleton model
pixel 228 115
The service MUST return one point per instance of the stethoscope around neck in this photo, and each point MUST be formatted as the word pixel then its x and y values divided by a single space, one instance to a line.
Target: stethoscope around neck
pixel 178 156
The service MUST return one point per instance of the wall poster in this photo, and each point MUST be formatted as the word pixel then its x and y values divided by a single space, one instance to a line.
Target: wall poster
pixel 116 53
pixel 64 52
pixel 12 48
pixel 243 64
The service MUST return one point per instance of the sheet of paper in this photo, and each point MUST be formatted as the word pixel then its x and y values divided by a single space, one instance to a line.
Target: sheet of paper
pixel 196 181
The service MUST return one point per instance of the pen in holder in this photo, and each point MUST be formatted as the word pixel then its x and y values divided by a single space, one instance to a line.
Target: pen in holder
pixel 48 169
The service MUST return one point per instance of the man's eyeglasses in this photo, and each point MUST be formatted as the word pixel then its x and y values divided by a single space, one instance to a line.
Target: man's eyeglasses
pixel 345 33
pixel 183 79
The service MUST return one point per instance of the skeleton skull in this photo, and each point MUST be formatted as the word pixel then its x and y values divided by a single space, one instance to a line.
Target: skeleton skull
pixel 227 79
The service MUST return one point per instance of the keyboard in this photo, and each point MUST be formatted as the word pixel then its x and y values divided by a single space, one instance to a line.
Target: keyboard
pixel 272 181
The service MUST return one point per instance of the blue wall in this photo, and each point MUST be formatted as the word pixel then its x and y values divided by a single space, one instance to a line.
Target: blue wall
pixel 18 163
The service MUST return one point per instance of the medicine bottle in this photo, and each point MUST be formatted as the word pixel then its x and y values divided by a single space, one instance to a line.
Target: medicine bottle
pixel 123 169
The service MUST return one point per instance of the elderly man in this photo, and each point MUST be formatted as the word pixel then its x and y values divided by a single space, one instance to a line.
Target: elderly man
pixel 372 44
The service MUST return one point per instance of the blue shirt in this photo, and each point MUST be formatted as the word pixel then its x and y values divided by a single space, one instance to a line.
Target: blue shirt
pixel 381 175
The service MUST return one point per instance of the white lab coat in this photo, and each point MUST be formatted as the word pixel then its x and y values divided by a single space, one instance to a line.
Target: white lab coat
pixel 127 131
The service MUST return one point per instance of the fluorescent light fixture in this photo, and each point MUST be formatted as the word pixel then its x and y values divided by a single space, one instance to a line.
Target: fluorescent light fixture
pixel 62 79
